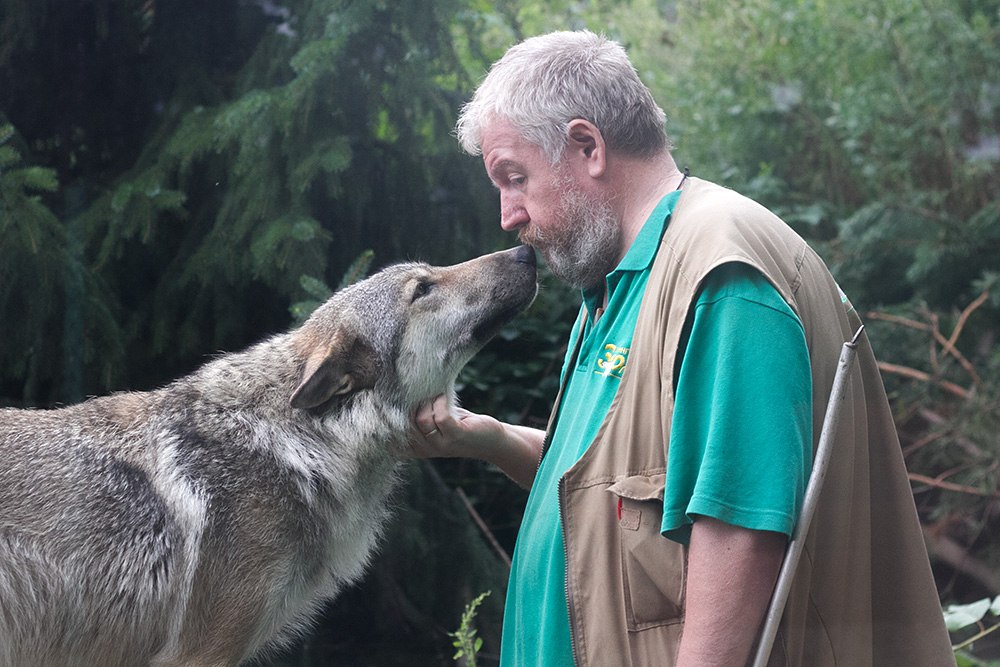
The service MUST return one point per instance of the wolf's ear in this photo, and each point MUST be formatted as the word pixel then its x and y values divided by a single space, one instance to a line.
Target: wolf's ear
pixel 337 369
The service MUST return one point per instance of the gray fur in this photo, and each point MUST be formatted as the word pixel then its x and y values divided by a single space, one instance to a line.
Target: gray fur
pixel 206 521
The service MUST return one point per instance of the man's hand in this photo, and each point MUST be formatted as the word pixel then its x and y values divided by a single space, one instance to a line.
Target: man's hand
pixel 730 577
pixel 444 431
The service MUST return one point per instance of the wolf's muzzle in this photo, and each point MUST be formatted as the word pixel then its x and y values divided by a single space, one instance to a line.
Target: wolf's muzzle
pixel 525 255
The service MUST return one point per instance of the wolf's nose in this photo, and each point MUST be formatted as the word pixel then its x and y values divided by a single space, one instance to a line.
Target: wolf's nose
pixel 525 255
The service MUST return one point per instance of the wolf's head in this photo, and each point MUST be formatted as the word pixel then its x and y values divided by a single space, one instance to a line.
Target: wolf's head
pixel 409 329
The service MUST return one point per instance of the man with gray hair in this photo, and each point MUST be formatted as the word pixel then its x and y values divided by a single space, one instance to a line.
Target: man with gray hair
pixel 695 383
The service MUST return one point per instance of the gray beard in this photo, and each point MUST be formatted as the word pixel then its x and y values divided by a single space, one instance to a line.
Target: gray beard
pixel 583 248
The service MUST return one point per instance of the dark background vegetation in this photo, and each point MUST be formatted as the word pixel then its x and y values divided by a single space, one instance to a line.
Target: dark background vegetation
pixel 182 177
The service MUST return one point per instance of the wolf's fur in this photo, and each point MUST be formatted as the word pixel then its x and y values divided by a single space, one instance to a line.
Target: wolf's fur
pixel 207 520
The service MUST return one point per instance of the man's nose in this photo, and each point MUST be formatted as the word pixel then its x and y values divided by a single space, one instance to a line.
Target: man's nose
pixel 513 218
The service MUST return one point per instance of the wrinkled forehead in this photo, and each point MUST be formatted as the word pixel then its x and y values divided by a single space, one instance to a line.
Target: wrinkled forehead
pixel 502 132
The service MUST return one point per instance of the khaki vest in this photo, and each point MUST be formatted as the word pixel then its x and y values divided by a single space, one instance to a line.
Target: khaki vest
pixel 863 593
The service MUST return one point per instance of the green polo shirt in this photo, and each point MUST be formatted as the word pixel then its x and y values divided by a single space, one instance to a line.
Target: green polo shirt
pixel 740 443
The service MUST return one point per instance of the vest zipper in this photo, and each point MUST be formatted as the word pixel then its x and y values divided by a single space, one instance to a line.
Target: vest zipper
pixel 569 598
pixel 562 493
pixel 541 452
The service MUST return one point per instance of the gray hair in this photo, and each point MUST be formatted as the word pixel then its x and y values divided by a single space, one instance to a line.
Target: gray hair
pixel 544 82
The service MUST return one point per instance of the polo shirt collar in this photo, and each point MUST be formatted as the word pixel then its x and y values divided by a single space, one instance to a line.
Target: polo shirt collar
pixel 641 254
pixel 643 250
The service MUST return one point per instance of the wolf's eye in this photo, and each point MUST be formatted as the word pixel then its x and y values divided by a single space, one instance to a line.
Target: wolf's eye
pixel 422 289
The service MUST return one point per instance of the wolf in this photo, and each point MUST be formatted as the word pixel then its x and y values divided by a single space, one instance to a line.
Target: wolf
pixel 205 522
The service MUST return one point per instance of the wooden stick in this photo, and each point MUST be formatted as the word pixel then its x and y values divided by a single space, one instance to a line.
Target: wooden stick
pixel 796 545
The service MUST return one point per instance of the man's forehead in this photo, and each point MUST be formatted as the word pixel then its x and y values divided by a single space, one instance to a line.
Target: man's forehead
pixel 502 143
pixel 499 132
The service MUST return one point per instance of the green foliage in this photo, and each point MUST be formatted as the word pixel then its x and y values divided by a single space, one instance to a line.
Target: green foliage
pixel 40 270
pixel 959 616
pixel 879 112
pixel 964 659
pixel 962 617
pixel 466 643
pixel 32 257
pixel 303 135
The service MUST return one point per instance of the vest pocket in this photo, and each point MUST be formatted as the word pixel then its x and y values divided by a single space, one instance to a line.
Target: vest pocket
pixel 653 567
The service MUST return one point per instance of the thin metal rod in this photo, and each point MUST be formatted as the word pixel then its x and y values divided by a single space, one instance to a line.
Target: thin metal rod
pixel 793 554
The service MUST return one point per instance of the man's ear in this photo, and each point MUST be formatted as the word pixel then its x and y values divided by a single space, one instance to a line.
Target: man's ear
pixel 335 369
pixel 586 143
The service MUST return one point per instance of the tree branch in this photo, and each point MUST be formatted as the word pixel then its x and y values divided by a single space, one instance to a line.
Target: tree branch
pixel 913 373
pixel 951 486
pixel 490 537
pixel 947 344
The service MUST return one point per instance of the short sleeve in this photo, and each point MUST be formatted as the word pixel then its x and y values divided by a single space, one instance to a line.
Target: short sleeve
pixel 740 445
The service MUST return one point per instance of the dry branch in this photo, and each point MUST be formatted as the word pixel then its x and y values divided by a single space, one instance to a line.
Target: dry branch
pixel 947 345
pixel 490 537
pixel 951 486
pixel 913 373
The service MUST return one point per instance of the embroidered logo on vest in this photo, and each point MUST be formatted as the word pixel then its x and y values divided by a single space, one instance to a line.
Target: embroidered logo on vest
pixel 612 363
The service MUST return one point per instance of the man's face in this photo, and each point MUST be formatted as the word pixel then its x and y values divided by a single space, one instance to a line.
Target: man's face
pixel 550 208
